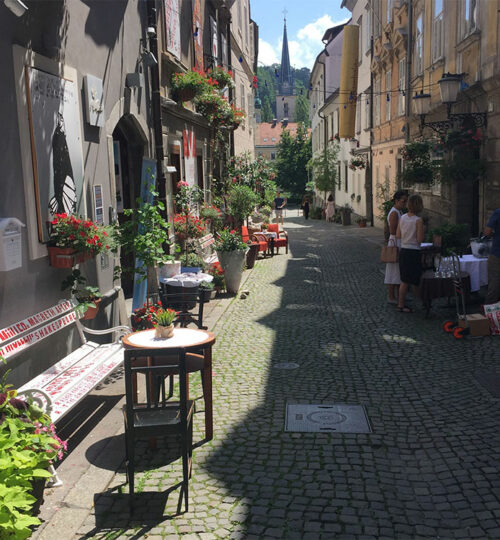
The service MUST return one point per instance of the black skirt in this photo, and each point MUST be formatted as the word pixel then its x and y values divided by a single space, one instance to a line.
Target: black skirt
pixel 410 266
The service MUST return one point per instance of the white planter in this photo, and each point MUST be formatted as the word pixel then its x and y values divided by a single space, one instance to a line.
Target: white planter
pixel 232 263
pixel 170 269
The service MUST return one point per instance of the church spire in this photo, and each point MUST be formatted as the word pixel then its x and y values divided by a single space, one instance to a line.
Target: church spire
pixel 286 81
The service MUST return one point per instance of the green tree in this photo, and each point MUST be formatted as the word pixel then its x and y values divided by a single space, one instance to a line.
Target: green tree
pixel 301 113
pixel 324 168
pixel 266 111
pixel 291 161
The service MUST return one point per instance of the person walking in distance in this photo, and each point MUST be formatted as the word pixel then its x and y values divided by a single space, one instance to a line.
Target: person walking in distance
pixel 279 204
pixel 493 229
pixel 411 232
pixel 305 206
pixel 392 277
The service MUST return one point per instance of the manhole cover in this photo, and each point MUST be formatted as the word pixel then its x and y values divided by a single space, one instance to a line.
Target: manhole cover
pixel 327 417
pixel 286 365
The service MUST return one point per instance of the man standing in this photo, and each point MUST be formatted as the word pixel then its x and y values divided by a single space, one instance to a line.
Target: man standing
pixel 279 204
pixel 493 228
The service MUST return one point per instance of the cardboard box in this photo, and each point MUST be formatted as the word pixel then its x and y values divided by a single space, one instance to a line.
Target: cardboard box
pixel 479 324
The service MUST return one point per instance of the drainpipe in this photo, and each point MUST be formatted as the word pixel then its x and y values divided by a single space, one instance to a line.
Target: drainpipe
pixel 408 70
pixel 369 178
pixel 156 104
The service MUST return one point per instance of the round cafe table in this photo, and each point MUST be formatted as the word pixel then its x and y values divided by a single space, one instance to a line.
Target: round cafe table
pixel 191 340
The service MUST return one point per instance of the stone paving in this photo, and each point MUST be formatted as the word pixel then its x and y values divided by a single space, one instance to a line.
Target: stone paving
pixel 428 470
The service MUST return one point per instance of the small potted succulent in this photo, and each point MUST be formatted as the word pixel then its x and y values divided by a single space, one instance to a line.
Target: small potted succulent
pixel 164 323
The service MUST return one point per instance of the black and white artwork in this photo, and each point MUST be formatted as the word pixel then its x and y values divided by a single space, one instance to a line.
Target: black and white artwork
pixel 56 146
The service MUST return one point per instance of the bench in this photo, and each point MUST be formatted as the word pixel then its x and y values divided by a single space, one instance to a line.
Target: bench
pixel 64 384
pixel 204 247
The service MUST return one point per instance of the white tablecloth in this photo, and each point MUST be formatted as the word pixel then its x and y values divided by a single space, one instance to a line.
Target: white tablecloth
pixel 187 280
pixel 269 234
pixel 477 270
pixel 182 337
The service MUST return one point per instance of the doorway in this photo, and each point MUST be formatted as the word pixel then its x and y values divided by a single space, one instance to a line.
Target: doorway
pixel 129 146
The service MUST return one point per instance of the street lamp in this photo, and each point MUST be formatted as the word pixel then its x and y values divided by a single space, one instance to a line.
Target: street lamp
pixel 449 86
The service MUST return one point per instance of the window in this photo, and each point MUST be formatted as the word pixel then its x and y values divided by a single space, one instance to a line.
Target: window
pixel 273 139
pixel 437 31
pixel 346 177
pixel 239 15
pixel 377 102
pixel 360 41
pixel 368 116
pixel 367 31
pixel 358 115
pixel 469 17
pixel 245 24
pixel 377 25
pixel 387 174
pixel 389 11
pixel 265 139
pixel 401 86
pixel 273 155
pixel 419 45
pixel 242 96
pixel 335 122
pixel 285 110
pixel 388 95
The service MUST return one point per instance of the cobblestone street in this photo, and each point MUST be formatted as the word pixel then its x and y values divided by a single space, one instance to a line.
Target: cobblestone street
pixel 428 469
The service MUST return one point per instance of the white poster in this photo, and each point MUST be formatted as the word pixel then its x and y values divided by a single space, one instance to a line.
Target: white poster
pixel 189 157
pixel 215 45
pixel 56 146
pixel 173 27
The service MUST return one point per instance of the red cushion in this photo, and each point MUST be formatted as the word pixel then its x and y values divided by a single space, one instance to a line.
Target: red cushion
pixel 279 242
pixel 273 227
pixel 244 233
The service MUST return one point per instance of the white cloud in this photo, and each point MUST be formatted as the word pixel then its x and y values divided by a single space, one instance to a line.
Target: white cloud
pixel 267 53
pixel 303 47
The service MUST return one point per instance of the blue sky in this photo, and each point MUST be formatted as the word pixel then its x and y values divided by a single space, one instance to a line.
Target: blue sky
pixel 307 21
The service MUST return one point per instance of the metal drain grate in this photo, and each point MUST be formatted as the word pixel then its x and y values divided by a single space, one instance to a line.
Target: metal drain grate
pixel 286 365
pixel 325 418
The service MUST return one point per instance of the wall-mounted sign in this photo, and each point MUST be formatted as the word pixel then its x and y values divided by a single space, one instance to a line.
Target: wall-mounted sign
pixel 173 27
pixel 98 205
pixel 198 34
pixel 94 110
pixel 189 156
pixel 10 244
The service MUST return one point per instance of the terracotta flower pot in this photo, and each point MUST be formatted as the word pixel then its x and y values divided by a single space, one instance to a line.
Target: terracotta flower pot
pixel 64 257
pixel 164 332
pixel 92 312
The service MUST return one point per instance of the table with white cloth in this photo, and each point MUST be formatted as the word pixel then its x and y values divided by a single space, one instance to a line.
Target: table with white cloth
pixel 187 279
pixel 476 268
pixel 270 237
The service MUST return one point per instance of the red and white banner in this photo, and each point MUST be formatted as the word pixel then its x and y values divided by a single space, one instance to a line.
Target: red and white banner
pixel 27 324
pixel 189 156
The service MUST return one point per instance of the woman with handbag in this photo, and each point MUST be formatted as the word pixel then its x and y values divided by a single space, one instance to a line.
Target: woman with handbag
pixel 392 278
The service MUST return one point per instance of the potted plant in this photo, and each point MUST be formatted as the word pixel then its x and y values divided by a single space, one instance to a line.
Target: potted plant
pixel 88 297
pixel 223 78
pixel 217 272
pixel 188 85
pixel 212 106
pixel 143 318
pixel 207 291
pixel 419 167
pixel 164 323
pixel 73 240
pixel 361 221
pixel 231 252
pixel 242 200
pixel 145 235
pixel 357 163
pixel 29 446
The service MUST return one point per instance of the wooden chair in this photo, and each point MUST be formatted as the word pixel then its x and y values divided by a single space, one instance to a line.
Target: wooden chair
pixel 188 303
pixel 282 238
pixel 256 238
pixel 157 416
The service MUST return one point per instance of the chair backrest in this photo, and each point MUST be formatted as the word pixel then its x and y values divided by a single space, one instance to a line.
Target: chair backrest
pixel 148 362
pixel 244 233
pixel 188 304
pixel 273 227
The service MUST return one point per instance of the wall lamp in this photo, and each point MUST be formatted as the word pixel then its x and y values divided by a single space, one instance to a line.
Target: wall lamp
pixel 16 6
pixel 449 86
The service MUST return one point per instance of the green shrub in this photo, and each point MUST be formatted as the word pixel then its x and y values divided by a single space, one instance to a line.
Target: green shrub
pixel 316 213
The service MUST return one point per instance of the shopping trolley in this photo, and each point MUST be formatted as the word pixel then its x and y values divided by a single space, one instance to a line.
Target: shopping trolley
pixel 460 327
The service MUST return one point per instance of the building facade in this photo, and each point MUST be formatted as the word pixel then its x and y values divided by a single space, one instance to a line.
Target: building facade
pixel 268 136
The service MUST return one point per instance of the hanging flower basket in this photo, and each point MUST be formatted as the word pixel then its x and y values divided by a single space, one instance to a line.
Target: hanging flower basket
pixel 185 94
pixel 65 257
pixel 186 86
pixel 223 78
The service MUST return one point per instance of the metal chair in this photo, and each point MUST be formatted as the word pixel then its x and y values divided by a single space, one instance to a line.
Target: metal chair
pixel 189 305
pixel 157 416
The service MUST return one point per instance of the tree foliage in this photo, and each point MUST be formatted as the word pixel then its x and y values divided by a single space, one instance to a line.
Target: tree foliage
pixel 324 168
pixel 266 111
pixel 301 113
pixel 291 161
